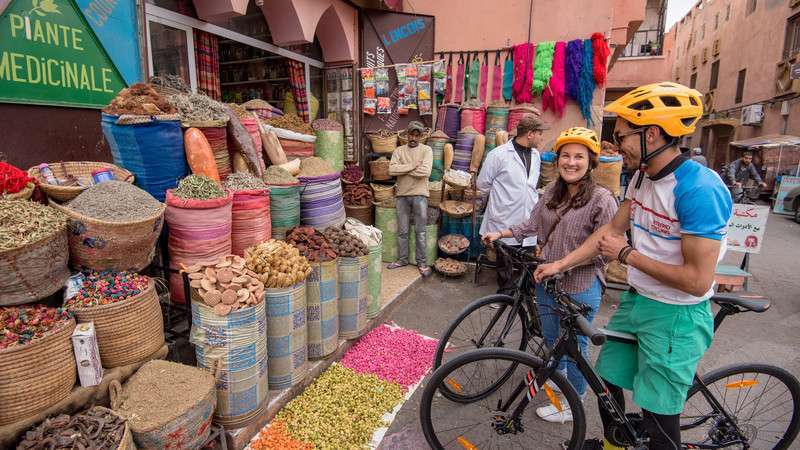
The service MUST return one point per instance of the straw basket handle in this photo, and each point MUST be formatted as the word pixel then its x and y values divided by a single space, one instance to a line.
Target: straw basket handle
pixel 115 394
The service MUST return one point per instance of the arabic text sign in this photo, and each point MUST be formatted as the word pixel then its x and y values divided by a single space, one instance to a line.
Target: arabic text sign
pixel 746 228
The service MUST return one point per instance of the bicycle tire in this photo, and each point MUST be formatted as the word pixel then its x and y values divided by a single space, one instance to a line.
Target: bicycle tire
pixel 518 358
pixel 787 379
pixel 476 305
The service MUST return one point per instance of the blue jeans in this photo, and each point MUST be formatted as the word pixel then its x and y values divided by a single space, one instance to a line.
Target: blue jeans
pixel 551 328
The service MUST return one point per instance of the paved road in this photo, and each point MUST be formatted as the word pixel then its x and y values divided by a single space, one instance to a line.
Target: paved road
pixel 771 337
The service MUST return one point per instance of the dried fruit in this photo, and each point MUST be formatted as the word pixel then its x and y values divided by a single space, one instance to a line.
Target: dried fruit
pixel 20 325
pixel 218 290
pixel 311 244
pixel 344 243
pixel 277 264
pixel 22 223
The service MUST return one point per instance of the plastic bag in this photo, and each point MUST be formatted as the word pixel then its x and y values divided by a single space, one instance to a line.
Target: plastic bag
pixel 382 88
pixel 401 73
pixel 382 74
pixel 410 92
pixel 384 105
pixel 424 72
pixel 370 106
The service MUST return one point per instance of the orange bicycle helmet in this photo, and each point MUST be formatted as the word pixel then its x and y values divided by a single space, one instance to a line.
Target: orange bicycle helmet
pixel 673 107
pixel 578 135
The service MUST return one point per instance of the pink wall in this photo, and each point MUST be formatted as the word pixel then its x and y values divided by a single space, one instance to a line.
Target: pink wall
pixel 481 24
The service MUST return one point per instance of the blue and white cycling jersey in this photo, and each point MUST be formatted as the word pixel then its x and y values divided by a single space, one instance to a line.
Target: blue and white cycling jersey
pixel 684 198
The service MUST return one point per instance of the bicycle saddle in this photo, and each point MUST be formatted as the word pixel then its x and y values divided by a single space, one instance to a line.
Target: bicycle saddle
pixel 751 302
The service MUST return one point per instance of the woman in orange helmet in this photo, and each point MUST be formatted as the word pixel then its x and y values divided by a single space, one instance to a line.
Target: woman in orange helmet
pixel 572 208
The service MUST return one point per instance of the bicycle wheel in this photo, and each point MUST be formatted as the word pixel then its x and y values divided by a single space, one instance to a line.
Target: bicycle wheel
pixel 489 422
pixel 762 401
pixel 487 315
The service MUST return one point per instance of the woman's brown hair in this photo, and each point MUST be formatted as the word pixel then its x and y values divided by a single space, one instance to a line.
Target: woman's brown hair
pixel 586 186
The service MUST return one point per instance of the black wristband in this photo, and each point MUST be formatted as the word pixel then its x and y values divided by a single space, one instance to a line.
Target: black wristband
pixel 623 253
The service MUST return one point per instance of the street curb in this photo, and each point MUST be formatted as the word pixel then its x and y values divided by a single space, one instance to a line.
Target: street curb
pixel 240 437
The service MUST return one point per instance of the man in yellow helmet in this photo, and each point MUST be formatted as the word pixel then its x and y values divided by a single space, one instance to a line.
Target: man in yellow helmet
pixel 678 212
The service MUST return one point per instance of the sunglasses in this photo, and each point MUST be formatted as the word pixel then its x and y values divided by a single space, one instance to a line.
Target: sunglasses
pixel 618 137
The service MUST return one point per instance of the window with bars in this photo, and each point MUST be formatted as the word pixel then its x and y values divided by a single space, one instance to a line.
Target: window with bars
pixel 714 75
pixel 693 81
pixel 740 85
pixel 716 21
pixel 703 31
pixel 792 46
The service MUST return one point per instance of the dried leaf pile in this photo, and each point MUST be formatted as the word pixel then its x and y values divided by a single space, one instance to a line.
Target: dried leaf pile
pixel 243 181
pixel 98 428
pixel 170 81
pixel 23 223
pixel 279 175
pixel 139 99
pixel 226 286
pixel 311 244
pixel 198 187
pixel 240 111
pixel 277 264
pixel 198 108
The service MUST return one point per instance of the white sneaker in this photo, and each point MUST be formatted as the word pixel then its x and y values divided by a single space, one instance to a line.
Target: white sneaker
pixel 551 414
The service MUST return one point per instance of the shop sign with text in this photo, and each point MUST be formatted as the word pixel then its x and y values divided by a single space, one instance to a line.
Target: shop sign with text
pixel 50 56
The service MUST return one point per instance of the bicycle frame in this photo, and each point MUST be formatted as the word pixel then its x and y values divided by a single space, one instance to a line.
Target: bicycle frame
pixel 567 345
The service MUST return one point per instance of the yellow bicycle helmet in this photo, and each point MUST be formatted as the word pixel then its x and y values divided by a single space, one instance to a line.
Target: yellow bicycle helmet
pixel 673 107
pixel 578 135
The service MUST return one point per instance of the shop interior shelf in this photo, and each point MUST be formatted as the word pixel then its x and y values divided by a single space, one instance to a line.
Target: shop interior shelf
pixel 267 80
pixel 243 61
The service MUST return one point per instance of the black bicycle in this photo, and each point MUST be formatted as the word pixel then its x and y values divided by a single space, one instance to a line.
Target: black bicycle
pixel 496 320
pixel 748 406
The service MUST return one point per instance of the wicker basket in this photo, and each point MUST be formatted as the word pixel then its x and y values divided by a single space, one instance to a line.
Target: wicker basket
pixel 37 375
pixel 448 252
pixel 35 270
pixel 381 192
pixel 362 213
pixel 383 142
pixel 456 209
pixel 24 194
pixel 461 270
pixel 353 182
pixel 379 170
pixel 128 331
pixel 78 169
pixel 99 245
pixel 435 194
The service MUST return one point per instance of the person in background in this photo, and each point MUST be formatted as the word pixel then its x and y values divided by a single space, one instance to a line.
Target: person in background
pixel 698 157
pixel 509 177
pixel 572 208
pixel 411 164
pixel 740 172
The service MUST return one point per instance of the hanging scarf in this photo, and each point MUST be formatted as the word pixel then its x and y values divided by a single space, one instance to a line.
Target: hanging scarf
pixel 586 83
pixel 553 96
pixel 474 77
pixel 601 53
pixel 458 96
pixel 543 67
pixel 448 81
pixel 523 72
pixel 508 78
pixel 572 67
pixel 497 79
pixel 484 78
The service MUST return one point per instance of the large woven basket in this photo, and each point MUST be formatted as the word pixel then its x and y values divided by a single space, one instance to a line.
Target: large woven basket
pixel 435 193
pixel 78 169
pixel 381 192
pixel 24 194
pixel 379 170
pixel 37 375
pixel 128 331
pixel 362 213
pixel 99 245
pixel 455 208
pixel 35 270
pixel 383 142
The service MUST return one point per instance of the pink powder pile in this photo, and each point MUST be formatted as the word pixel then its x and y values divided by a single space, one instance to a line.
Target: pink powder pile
pixel 398 355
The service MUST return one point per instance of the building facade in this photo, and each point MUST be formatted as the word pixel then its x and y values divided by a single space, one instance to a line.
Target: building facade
pixel 739 54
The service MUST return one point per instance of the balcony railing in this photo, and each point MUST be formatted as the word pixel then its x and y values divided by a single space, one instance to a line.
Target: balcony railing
pixel 645 43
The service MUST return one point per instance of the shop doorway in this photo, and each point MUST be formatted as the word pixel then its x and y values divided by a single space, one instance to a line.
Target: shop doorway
pixel 170 49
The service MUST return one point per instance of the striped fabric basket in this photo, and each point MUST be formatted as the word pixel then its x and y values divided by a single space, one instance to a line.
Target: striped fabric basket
pixel 322 299
pixel 353 296
pixel 286 335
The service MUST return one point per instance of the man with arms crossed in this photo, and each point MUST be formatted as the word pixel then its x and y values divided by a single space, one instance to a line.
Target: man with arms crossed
pixel 678 212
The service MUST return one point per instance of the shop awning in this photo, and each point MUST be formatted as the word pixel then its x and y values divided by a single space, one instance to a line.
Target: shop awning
pixel 769 140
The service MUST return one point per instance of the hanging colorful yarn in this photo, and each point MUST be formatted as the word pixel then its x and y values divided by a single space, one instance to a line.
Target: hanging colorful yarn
pixel 523 72
pixel 601 53
pixel 474 78
pixel 586 84
pixel 553 97
pixel 508 79
pixel 458 95
pixel 572 67
pixel 543 67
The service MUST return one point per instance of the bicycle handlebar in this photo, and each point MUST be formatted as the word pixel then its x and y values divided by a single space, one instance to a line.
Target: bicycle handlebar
pixel 587 329
pixel 576 310
pixel 517 252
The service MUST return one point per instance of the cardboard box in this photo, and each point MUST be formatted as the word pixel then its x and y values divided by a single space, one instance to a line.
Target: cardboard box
pixel 87 354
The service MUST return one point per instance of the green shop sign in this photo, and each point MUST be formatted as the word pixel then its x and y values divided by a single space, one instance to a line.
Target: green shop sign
pixel 50 56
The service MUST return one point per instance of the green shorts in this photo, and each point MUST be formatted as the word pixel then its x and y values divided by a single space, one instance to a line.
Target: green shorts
pixel 660 369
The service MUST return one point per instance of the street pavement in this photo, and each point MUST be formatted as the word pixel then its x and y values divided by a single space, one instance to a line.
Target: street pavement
pixel 772 337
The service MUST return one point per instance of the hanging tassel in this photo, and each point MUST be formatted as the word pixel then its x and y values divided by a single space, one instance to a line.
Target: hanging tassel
pixel 523 72
pixel 543 67
pixel 586 84
pixel 448 87
pixel 601 54
pixel 508 78
pixel 553 96
pixel 474 77
pixel 572 67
